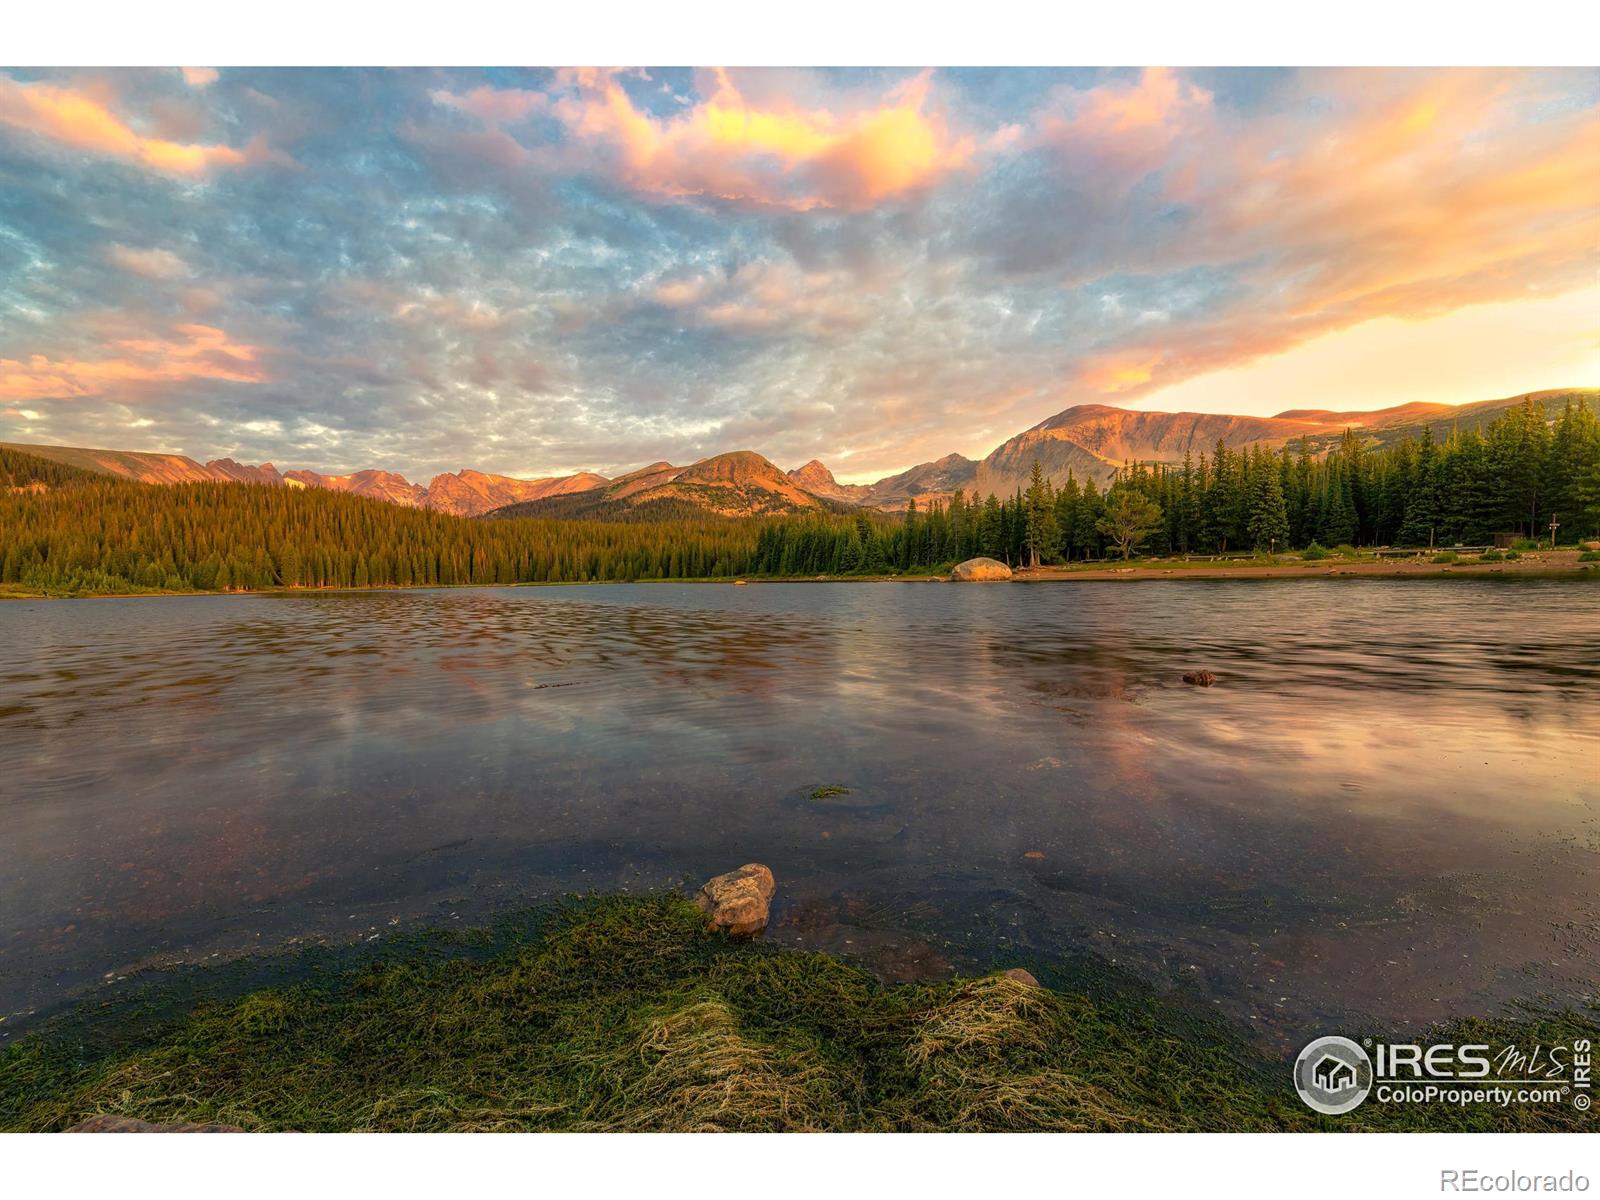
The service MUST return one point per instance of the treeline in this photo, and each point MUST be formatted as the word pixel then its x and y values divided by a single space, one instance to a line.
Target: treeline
pixel 63 529
pixel 1515 476
pixel 89 534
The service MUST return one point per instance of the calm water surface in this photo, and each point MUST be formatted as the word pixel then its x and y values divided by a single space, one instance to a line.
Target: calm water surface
pixel 1388 808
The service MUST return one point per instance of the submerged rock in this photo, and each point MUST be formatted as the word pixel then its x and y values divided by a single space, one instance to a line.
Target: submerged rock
pixel 106 1123
pixel 739 902
pixel 980 570
pixel 1199 678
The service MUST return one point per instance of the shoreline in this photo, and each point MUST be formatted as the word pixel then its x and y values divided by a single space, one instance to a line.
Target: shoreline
pixel 1553 564
pixel 617 1012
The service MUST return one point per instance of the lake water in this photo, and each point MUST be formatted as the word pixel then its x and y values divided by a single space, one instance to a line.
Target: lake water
pixel 1388 808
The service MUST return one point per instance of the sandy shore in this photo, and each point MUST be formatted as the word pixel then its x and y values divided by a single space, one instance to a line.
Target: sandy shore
pixel 1538 562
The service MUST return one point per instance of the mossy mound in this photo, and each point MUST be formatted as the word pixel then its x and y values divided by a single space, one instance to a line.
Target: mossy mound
pixel 625 1014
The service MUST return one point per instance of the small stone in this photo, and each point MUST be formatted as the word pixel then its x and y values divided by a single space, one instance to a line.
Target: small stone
pixel 1021 976
pixel 1199 678
pixel 106 1123
pixel 739 902
pixel 1034 854
pixel 980 570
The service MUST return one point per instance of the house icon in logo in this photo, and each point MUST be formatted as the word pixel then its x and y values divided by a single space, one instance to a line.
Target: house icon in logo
pixel 1334 1074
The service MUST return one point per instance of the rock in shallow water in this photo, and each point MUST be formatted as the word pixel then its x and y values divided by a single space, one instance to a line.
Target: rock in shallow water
pixel 1199 678
pixel 1021 976
pixel 980 570
pixel 739 902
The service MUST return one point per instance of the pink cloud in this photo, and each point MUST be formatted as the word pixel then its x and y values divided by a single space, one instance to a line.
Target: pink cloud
pixel 79 121
pixel 1421 192
pixel 190 352
pixel 769 151
pixel 153 263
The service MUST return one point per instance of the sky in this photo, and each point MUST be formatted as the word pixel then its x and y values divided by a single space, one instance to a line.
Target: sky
pixel 535 272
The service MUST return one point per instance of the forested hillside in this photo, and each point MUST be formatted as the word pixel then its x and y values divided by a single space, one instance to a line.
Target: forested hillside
pixel 1516 475
pixel 89 534
pixel 28 471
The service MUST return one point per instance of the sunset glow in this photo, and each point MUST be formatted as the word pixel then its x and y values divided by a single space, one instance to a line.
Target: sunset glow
pixel 542 271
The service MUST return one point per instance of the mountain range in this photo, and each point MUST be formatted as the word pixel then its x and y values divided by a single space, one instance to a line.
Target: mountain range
pixel 1090 440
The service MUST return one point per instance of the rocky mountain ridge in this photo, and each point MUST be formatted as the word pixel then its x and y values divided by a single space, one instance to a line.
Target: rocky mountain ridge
pixel 1089 440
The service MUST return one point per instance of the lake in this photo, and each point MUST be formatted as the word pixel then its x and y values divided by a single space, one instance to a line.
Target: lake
pixel 1388 808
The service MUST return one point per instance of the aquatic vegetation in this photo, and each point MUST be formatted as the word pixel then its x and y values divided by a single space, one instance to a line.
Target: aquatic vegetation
pixel 619 1013
pixel 828 789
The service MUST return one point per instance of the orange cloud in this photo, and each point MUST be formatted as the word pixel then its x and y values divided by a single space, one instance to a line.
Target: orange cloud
pixel 1114 374
pixel 1425 191
pixel 199 352
pixel 80 122
pixel 154 263
pixel 779 154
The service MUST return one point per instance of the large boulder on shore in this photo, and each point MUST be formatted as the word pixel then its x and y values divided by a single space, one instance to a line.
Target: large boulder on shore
pixel 106 1123
pixel 739 902
pixel 980 570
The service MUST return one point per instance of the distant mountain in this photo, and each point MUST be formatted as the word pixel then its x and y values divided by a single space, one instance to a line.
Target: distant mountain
pixel 1089 440
pixel 466 493
pixel 239 473
pixel 815 478
pixel 125 464
pixel 737 484
pixel 379 485
pixel 924 483
pixel 469 493
pixel 1094 440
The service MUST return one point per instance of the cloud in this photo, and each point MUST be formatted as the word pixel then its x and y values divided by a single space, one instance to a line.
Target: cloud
pixel 196 352
pixel 77 121
pixel 495 106
pixel 770 298
pixel 199 77
pixel 152 263
pixel 534 271
pixel 729 148
pixel 1366 194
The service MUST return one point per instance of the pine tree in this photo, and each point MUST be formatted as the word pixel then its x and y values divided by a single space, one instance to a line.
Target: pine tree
pixel 1040 533
pixel 1129 517
pixel 1269 519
